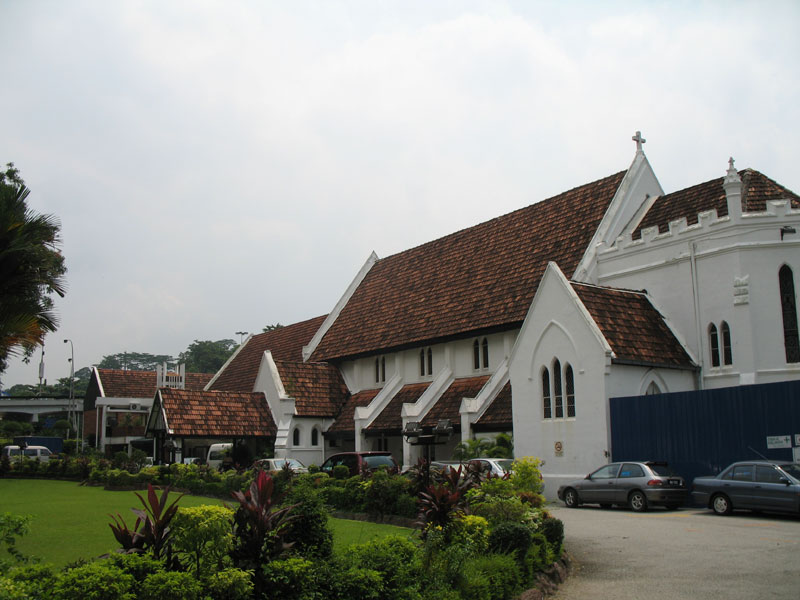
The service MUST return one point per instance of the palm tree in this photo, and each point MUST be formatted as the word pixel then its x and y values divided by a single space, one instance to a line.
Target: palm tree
pixel 31 268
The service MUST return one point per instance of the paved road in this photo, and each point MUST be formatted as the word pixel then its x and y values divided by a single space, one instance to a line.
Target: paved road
pixel 689 553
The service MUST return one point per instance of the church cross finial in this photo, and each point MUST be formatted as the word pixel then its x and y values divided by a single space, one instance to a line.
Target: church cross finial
pixel 639 141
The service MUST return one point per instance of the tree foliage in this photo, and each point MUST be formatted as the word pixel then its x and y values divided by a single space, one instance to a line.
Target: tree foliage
pixel 207 356
pixel 31 269
pixel 272 327
pixel 134 361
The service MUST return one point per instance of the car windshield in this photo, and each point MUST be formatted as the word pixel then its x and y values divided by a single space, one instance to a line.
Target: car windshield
pixel 793 470
pixel 505 464
pixel 295 464
pixel 663 470
pixel 373 462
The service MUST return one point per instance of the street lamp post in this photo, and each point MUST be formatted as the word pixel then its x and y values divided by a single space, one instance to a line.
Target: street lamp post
pixel 241 335
pixel 72 413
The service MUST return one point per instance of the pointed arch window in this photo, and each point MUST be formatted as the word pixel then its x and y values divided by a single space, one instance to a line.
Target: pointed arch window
pixel 422 362
pixel 713 340
pixel 652 389
pixel 315 437
pixel 296 437
pixel 791 338
pixel 485 353
pixel 383 368
pixel 558 395
pixel 476 355
pixel 727 350
pixel 570 385
pixel 380 369
pixel 547 407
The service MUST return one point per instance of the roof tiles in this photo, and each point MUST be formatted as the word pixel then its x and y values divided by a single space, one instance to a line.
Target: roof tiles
pixel 345 422
pixel 634 329
pixel 285 344
pixel 757 190
pixel 498 416
pixel 217 414
pixel 317 388
pixel 119 383
pixel 448 405
pixel 479 278
pixel 390 420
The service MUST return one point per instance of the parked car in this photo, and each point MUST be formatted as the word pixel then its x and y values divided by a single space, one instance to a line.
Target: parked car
pixel 754 485
pixel 276 464
pixel 635 484
pixel 360 461
pixel 495 466
pixel 33 452
pixel 217 453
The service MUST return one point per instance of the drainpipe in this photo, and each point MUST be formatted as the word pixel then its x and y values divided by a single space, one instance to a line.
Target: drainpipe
pixel 698 325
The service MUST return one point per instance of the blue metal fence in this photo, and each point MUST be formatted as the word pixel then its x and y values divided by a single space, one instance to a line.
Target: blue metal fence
pixel 700 433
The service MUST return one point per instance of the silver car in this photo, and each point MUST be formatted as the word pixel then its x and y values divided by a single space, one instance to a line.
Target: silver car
pixel 754 485
pixel 638 485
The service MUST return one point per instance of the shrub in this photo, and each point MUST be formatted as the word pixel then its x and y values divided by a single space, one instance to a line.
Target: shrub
pixel 203 535
pixel 170 585
pixel 383 491
pixel 536 559
pixel 491 577
pixel 341 472
pixel 525 474
pixel 406 506
pixel 471 531
pixel 36 580
pixel 396 559
pixel 290 579
pixel 121 478
pixel 94 581
pixel 339 582
pixel 510 538
pixel 308 531
pixel 553 530
pixel 139 566
pixel 498 509
pixel 230 584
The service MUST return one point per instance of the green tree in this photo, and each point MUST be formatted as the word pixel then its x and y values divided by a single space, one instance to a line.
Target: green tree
pixel 31 269
pixel 272 327
pixel 134 361
pixel 207 356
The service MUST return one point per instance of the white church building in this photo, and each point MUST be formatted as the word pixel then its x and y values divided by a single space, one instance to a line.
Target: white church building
pixel 532 321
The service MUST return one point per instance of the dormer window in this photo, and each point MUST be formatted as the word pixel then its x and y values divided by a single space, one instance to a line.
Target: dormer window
pixel 380 369
pixel 480 354
pixel 425 362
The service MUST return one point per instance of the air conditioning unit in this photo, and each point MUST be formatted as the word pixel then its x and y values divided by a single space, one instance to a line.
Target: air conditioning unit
pixel 134 406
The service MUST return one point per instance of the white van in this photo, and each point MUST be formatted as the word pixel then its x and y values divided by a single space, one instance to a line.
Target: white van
pixel 34 452
pixel 217 453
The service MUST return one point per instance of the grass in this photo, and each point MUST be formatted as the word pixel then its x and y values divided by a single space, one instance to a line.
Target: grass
pixel 70 521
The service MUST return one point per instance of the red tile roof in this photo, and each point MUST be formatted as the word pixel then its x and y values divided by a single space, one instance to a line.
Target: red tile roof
pixel 390 419
pixel 118 383
pixel 476 279
pixel 217 414
pixel 635 330
pixel 317 388
pixel 447 405
pixel 344 426
pixel 757 190
pixel 286 344
pixel 498 416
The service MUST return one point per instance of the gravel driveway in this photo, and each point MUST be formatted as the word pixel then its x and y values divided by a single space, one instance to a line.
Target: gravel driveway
pixel 688 553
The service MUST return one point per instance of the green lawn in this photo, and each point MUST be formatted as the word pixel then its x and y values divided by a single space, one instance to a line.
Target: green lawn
pixel 71 521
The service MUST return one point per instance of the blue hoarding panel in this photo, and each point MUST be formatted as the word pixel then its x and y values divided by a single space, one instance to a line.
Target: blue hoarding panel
pixel 700 433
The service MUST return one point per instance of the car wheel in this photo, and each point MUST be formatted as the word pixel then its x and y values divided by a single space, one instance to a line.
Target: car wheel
pixel 571 498
pixel 637 501
pixel 721 504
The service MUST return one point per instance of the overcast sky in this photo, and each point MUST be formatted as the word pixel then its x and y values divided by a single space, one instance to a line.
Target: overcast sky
pixel 221 166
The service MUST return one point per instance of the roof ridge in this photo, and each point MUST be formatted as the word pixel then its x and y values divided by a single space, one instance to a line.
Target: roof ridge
pixel 608 287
